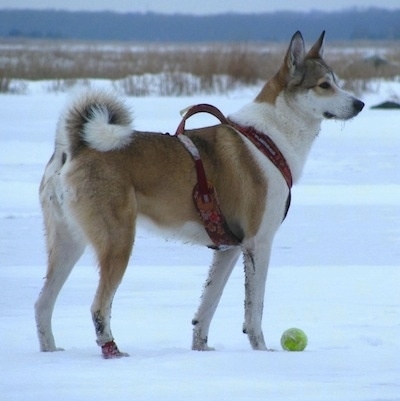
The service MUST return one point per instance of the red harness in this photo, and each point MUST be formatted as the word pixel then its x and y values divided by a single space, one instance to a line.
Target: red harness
pixel 204 193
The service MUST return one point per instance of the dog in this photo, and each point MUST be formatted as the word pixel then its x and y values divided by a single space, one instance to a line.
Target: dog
pixel 103 176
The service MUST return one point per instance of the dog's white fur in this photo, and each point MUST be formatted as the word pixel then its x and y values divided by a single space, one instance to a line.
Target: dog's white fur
pixel 103 176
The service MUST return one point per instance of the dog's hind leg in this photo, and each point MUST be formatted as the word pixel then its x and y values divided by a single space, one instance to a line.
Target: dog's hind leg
pixel 223 263
pixel 64 247
pixel 111 232
pixel 256 268
pixel 113 263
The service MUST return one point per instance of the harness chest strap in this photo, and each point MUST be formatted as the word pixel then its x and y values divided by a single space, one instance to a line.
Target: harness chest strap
pixel 267 146
pixel 204 194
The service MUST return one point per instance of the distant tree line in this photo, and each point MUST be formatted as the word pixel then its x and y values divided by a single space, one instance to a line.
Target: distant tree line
pixel 352 24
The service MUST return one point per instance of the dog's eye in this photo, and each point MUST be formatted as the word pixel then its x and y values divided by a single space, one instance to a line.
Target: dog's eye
pixel 325 85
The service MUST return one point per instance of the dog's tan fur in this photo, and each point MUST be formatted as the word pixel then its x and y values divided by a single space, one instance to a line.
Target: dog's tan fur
pixel 103 176
pixel 136 180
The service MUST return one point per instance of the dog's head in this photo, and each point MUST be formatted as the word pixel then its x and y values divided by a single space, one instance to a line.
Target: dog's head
pixel 309 85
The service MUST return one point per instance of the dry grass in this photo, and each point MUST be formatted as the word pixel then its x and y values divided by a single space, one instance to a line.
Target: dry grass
pixel 358 67
pixel 141 70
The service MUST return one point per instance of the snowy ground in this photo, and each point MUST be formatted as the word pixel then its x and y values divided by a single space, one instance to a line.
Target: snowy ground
pixel 334 273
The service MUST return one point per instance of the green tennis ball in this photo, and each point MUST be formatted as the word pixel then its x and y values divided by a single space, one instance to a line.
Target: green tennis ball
pixel 294 340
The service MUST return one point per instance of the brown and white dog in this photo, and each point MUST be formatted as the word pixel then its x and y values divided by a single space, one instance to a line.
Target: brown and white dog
pixel 104 175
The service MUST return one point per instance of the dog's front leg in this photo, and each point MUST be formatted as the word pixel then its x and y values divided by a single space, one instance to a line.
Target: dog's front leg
pixel 255 267
pixel 223 263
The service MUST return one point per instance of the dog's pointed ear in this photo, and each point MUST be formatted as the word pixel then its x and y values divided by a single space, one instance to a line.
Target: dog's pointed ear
pixel 317 50
pixel 296 53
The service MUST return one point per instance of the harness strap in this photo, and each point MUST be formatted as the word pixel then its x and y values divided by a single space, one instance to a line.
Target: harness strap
pixel 204 194
pixel 201 174
pixel 267 146
pixel 191 147
pixel 262 141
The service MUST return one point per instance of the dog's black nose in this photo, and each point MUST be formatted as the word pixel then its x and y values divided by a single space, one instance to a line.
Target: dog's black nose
pixel 358 105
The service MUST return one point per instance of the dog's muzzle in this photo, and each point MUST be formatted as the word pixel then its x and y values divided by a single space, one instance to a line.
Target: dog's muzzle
pixel 358 105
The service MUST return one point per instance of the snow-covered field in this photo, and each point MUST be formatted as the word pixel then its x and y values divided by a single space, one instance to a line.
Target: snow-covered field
pixel 335 273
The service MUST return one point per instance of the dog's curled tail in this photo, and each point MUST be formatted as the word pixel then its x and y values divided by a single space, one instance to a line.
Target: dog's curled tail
pixel 95 118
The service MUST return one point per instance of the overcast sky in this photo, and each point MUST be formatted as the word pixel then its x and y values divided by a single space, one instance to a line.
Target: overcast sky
pixel 198 6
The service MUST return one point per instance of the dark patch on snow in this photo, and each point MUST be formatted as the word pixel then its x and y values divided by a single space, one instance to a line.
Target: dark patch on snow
pixel 387 105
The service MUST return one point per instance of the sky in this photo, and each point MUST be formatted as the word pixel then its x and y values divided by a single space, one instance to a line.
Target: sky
pixel 196 6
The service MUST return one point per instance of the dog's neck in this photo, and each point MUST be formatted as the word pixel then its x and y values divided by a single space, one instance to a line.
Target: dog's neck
pixel 288 128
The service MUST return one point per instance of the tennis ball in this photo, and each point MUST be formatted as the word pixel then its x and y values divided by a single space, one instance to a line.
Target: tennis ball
pixel 294 340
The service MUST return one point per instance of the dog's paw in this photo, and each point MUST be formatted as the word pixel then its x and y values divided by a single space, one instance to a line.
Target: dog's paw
pixel 110 351
pixel 204 347
pixel 200 344
pixel 52 349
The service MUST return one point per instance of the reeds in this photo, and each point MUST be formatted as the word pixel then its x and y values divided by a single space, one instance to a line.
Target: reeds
pixel 173 69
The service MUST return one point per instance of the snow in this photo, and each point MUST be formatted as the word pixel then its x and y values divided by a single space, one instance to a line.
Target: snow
pixel 334 273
